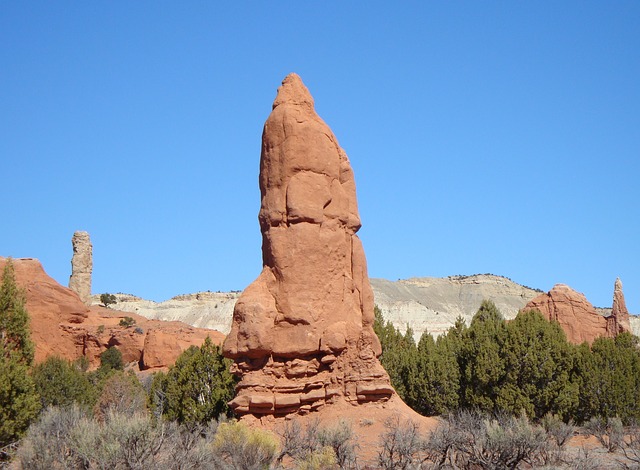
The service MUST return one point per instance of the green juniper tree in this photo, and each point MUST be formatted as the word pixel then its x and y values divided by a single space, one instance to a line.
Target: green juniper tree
pixel 481 361
pixel 399 354
pixel 19 403
pixel 197 388
pixel 538 363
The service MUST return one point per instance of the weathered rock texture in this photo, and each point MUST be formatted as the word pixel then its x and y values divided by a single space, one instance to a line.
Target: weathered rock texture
pixel 302 332
pixel 576 315
pixel 619 313
pixel 81 266
pixel 62 325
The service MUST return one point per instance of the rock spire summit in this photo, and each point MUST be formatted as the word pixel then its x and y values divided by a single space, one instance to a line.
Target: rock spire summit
pixel 619 311
pixel 302 333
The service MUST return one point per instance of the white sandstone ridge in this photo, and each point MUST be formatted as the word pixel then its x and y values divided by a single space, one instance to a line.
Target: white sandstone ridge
pixel 432 304
pixel 212 310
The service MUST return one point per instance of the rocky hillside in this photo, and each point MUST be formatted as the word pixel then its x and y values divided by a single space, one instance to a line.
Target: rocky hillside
pixel 62 325
pixel 211 310
pixel 432 304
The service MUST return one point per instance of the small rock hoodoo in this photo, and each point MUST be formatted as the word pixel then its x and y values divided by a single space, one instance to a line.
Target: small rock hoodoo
pixel 302 333
pixel 81 266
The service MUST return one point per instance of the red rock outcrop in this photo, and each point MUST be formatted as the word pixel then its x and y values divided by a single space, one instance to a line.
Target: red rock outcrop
pixel 576 315
pixel 619 314
pixel 302 332
pixel 61 324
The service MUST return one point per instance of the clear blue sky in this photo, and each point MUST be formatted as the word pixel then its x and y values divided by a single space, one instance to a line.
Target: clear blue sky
pixel 499 137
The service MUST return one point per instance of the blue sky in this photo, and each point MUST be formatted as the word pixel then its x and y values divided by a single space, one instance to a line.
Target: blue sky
pixel 499 137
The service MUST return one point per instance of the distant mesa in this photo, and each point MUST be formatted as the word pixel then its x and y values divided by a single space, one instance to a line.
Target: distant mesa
pixel 302 333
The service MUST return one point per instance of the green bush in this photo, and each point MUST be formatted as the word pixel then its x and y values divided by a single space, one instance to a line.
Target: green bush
pixel 62 383
pixel 127 322
pixel 108 299
pixel 110 359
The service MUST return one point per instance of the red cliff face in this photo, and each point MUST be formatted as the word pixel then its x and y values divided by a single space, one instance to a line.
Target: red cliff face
pixel 577 317
pixel 62 325
pixel 302 332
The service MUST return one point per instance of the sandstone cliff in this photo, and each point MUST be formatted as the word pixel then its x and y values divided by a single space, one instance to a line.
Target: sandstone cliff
pixel 61 324
pixel 578 317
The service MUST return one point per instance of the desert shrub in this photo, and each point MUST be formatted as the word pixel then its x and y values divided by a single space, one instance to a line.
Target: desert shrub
pixel 401 445
pixel 61 383
pixel 341 439
pixel 560 431
pixel 121 393
pixel 609 431
pixel 323 458
pixel 631 445
pixel 46 444
pixel 126 322
pixel 472 440
pixel 317 446
pixel 190 446
pixel 121 441
pixel 243 448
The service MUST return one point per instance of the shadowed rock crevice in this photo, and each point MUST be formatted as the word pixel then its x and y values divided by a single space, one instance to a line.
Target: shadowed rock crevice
pixel 302 332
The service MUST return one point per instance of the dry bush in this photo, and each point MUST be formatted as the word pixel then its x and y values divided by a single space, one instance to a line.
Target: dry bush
pixel 401 446
pixel 189 447
pixel 318 447
pixel 609 432
pixel 631 446
pixel 121 394
pixel 46 445
pixel 471 440
pixel 121 441
pixel 242 448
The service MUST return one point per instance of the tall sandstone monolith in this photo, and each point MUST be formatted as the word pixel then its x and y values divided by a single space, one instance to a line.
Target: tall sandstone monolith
pixel 619 312
pixel 81 266
pixel 302 333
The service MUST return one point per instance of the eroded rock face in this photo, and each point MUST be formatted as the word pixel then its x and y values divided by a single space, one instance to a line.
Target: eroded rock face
pixel 575 314
pixel 61 325
pixel 619 313
pixel 302 332
pixel 81 266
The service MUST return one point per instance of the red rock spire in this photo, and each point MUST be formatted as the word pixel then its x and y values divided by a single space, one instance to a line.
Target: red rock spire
pixel 302 332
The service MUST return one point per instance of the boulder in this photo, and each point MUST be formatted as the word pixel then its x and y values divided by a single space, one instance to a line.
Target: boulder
pixel 310 311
